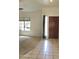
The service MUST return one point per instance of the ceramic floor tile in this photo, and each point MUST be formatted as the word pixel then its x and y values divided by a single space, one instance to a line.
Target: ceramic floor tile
pixel 41 57
pixel 27 55
pixel 56 56
pixel 36 50
pixel 31 56
pixel 22 58
pixel 56 53
pixel 49 57
pixel 49 53
pixel 49 50
pixel 35 53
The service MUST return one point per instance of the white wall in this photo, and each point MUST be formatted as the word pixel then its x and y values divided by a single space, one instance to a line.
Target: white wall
pixel 36 20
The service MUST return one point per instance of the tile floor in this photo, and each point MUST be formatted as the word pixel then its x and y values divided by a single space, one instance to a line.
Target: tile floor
pixel 46 49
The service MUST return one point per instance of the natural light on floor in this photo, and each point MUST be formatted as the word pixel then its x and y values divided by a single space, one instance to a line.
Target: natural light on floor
pixel 45 45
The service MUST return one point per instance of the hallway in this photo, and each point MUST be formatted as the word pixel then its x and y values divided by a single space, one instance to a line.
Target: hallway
pixel 45 49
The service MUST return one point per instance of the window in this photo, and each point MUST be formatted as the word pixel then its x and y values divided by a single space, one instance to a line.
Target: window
pixel 21 25
pixel 24 25
pixel 27 25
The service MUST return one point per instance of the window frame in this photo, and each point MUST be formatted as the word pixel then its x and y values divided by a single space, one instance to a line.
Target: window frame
pixel 24 27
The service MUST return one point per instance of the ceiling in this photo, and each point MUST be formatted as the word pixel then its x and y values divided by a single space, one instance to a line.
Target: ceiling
pixel 33 5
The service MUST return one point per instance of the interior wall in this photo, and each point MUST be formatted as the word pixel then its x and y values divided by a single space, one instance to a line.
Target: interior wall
pixel 50 11
pixel 36 21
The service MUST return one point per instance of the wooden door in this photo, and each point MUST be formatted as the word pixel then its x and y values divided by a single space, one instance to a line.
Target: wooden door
pixel 53 27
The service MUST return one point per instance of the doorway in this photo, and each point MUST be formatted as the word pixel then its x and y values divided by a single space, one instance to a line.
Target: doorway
pixel 54 27
pixel 50 27
pixel 45 26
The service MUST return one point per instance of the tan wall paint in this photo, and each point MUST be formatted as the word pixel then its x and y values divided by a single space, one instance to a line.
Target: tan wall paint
pixel 36 21
pixel 50 11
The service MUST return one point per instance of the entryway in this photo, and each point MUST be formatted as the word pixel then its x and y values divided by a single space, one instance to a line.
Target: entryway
pixel 50 27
